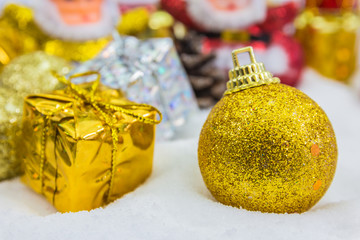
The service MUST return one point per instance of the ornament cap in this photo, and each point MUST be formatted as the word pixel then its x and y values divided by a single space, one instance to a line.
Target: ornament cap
pixel 242 77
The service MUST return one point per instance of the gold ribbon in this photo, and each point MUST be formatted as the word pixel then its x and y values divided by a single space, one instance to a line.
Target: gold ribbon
pixel 101 109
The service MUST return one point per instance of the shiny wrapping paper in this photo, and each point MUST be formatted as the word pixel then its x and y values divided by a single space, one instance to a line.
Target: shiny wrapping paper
pixel 75 158
pixel 329 41
pixel 26 74
pixel 19 34
pixel 148 71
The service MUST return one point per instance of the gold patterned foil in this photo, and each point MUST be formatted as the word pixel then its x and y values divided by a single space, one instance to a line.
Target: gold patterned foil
pixel 92 155
pixel 27 74
pixel 19 34
pixel 75 51
pixel 134 21
pixel 143 23
pixel 267 148
pixel 329 42
pixel 14 39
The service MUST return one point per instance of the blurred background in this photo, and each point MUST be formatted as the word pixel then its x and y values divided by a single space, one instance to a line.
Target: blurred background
pixel 173 54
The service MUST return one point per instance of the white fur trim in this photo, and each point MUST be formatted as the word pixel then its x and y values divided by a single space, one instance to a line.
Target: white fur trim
pixel 212 19
pixel 275 58
pixel 48 18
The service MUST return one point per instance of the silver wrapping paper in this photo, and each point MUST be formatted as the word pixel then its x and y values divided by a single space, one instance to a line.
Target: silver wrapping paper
pixel 147 71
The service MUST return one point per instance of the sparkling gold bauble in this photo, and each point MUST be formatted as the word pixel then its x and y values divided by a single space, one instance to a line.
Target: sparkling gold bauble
pixel 267 146
pixel 27 74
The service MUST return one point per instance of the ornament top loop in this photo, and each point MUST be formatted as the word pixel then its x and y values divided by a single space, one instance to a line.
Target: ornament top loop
pixel 242 77
pixel 243 50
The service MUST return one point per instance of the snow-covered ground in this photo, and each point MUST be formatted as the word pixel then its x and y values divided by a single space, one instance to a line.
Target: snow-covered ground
pixel 175 204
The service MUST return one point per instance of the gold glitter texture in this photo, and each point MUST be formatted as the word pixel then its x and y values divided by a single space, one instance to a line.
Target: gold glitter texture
pixel 25 75
pixel 256 150
pixel 77 154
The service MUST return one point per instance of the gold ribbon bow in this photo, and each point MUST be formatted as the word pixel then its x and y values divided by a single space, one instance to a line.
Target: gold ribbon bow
pixel 103 110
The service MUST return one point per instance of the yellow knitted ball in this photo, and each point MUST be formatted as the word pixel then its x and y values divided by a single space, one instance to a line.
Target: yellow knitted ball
pixel 24 75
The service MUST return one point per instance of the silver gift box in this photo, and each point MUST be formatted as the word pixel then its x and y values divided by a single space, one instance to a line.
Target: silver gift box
pixel 147 71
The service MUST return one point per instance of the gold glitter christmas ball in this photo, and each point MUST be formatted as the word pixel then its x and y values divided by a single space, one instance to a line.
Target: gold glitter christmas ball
pixel 266 146
pixel 27 74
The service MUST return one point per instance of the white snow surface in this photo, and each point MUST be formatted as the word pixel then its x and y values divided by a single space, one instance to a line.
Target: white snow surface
pixel 175 204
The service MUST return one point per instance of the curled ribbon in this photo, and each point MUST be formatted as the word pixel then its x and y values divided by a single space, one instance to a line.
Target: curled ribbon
pixel 102 110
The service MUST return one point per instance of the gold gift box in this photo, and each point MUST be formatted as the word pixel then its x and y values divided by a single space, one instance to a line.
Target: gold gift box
pixel 329 42
pixel 83 148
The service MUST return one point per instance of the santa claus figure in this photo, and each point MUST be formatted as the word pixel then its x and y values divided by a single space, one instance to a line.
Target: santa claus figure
pixel 73 29
pixel 220 26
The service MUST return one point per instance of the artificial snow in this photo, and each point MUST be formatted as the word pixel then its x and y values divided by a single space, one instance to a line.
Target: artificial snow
pixel 175 204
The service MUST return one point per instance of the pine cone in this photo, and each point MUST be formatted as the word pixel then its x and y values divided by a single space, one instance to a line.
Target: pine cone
pixel 208 84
